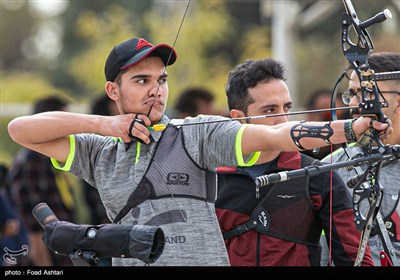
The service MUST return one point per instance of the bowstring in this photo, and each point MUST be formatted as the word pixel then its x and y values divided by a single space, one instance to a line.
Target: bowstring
pixel 148 114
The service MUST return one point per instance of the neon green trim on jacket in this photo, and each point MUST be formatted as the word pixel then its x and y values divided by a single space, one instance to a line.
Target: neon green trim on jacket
pixel 70 158
pixel 238 148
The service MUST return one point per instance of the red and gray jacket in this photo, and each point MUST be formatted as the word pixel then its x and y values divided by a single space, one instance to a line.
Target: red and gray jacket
pixel 281 224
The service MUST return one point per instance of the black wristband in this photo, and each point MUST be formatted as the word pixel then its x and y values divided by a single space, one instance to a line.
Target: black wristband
pixel 348 131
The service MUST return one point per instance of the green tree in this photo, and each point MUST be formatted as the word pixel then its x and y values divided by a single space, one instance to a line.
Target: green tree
pixel 215 36
pixel 200 61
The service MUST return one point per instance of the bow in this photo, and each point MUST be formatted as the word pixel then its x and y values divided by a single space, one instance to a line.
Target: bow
pixel 366 184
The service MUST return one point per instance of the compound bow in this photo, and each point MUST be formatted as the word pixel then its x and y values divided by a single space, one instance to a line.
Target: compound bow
pixel 367 186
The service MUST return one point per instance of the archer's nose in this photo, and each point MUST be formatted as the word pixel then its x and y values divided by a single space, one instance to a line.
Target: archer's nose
pixel 156 90
pixel 281 119
pixel 354 101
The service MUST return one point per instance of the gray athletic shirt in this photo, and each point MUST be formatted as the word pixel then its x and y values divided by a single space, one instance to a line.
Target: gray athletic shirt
pixel 116 168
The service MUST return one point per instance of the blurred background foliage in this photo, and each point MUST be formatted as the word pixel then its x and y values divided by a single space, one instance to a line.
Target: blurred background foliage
pixel 59 47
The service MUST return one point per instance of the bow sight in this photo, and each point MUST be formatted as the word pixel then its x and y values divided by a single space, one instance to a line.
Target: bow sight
pixel 357 55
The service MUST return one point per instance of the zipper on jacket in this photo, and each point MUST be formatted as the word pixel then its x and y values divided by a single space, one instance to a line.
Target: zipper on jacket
pixel 257 192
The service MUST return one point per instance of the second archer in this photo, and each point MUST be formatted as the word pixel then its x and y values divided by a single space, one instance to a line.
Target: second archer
pixel 294 213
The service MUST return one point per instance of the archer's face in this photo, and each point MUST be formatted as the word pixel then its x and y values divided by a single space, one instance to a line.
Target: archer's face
pixel 142 87
pixel 269 98
pixel 354 86
pixel 392 112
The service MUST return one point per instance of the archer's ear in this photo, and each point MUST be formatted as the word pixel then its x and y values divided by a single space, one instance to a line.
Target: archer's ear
pixel 236 113
pixel 398 103
pixel 112 90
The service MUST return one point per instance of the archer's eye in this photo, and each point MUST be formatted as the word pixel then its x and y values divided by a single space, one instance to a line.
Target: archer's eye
pixel 348 95
pixel 288 108
pixel 162 81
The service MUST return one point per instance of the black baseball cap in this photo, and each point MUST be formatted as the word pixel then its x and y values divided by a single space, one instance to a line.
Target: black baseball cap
pixel 133 51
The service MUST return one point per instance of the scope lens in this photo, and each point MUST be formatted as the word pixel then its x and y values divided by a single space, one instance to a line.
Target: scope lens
pixel 43 214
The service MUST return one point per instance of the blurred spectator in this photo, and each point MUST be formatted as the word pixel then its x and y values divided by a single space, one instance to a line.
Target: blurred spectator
pixel 32 180
pixel 194 101
pixel 321 99
pixel 5 188
pixel 106 107
pixel 13 236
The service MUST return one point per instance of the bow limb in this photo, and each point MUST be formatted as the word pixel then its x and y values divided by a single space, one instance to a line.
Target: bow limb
pixel 357 55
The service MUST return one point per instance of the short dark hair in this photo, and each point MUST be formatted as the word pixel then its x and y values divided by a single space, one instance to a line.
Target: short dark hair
pixel 50 103
pixel 382 62
pixel 248 75
pixel 186 102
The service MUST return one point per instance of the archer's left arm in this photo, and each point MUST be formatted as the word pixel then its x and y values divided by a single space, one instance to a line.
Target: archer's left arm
pixel 294 136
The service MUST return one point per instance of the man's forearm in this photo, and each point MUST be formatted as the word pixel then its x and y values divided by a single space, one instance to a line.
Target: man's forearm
pixel 49 126
pixel 279 138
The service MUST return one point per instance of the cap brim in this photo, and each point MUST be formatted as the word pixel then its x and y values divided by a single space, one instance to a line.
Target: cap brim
pixel 165 52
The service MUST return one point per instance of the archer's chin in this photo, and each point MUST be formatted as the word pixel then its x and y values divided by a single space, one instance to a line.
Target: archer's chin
pixel 156 116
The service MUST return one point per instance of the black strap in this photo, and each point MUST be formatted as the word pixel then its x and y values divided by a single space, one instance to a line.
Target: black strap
pixel 240 229
pixel 254 222
pixel 250 224
pixel 139 195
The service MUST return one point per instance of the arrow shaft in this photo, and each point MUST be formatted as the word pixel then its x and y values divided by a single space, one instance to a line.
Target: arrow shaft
pixel 272 115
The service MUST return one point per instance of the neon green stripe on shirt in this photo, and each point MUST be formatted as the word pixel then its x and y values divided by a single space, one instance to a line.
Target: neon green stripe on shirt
pixel 238 148
pixel 70 158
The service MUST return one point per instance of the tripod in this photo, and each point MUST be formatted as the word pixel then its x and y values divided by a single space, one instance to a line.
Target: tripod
pixel 84 258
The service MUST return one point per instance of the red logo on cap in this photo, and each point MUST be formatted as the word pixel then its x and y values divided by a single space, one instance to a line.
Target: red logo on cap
pixel 142 43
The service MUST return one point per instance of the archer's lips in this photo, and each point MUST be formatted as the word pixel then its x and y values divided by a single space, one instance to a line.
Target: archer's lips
pixel 156 105
pixel 154 102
